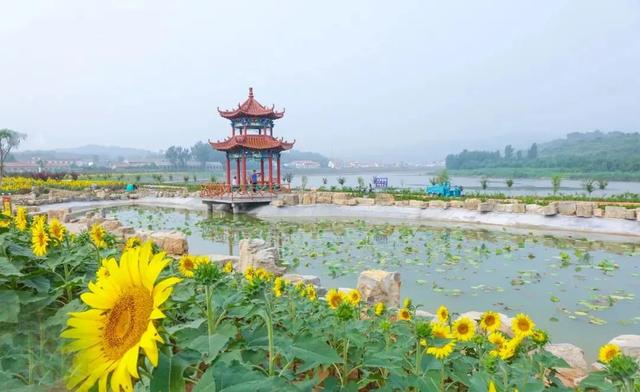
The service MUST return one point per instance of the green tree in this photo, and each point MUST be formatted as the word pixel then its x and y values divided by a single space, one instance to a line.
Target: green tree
pixel 324 180
pixel 509 182
pixel 508 152
pixel 442 176
pixel 533 152
pixel 341 180
pixel 588 185
pixel 361 184
pixel 202 153
pixel 602 184
pixel 178 156
pixel 8 140
pixel 484 181
pixel 304 181
pixel 555 183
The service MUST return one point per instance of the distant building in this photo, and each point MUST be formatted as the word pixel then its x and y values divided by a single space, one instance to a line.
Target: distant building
pixel 303 164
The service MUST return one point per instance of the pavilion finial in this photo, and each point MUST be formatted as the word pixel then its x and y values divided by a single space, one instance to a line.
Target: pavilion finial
pixel 250 92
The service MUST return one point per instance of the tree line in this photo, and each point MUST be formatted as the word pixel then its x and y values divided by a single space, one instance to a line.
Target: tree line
pixel 478 159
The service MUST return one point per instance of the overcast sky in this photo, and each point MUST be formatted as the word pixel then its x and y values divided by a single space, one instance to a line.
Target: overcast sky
pixel 359 79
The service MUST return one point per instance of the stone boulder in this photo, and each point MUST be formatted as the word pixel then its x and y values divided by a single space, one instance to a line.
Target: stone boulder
pixel 630 214
pixel 111 225
pixel 512 208
pixel 439 204
pixel 574 357
pixel 290 199
pixel 550 209
pixel 417 204
pixel 380 286
pixel 351 202
pixel 277 203
pixel 384 199
pixel 364 201
pixel 401 203
pixel 567 208
pixel 471 204
pixel 456 204
pixel 533 209
pixel 324 197
pixel 598 212
pixel 173 242
pixel 638 214
pixel 486 206
pixel 309 198
pixel 257 253
pixel 306 279
pixel 584 210
pixel 615 212
pixel 63 215
pixel 629 344
pixel 424 314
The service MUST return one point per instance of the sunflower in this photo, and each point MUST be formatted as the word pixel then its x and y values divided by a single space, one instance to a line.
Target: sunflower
pixel 354 297
pixel 492 387
pixel 187 265
pixel 440 331
pixel 464 329
pixel 310 292
pixel 108 337
pixel 57 230
pixel 442 314
pixel 497 339
pixel 228 267
pixel 522 325
pixel 103 272
pixel 263 274
pixel 423 342
pixel 379 308
pixel 249 274
pixel 441 352
pixel 132 242
pixel 539 336
pixel 97 235
pixel 21 219
pixel 404 314
pixel 490 321
pixel 334 298
pixel 509 347
pixel 406 303
pixel 39 240
pixel 278 286
pixel 608 352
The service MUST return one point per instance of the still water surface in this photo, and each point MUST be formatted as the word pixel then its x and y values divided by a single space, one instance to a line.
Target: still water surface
pixel 581 291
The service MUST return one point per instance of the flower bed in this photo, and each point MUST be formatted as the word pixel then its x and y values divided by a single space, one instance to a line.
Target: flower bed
pixel 20 185
pixel 126 314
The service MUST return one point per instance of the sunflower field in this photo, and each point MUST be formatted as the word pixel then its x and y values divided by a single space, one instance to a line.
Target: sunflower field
pixel 89 312
pixel 21 185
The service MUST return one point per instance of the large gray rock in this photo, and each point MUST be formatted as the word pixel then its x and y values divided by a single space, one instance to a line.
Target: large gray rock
pixel 615 212
pixel 417 204
pixel 486 206
pixel 340 198
pixel 598 212
pixel 380 286
pixel 573 355
pixel 471 204
pixel 173 242
pixel 567 208
pixel 306 279
pixel 533 209
pixel 456 204
pixel 629 344
pixel 365 201
pixel 550 209
pixel 441 204
pixel 309 198
pixel 584 210
pixel 290 199
pixel 512 208
pixel 384 199
pixel 256 253
pixel 324 197
pixel 63 214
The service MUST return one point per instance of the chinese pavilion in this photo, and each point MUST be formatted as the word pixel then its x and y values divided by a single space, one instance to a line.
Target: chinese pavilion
pixel 252 138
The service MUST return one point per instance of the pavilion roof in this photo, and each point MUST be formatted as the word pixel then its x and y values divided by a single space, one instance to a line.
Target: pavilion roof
pixel 255 142
pixel 251 108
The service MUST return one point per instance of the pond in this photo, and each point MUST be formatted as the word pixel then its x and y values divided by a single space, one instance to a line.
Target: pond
pixel 581 291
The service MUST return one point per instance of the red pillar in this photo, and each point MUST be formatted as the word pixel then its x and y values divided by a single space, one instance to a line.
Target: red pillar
pixel 278 170
pixel 238 172
pixel 228 172
pixel 270 172
pixel 262 171
pixel 244 172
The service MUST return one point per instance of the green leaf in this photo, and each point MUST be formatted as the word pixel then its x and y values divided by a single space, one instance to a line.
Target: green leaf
pixel 10 306
pixel 167 377
pixel 207 382
pixel 209 345
pixel 314 352
pixel 7 268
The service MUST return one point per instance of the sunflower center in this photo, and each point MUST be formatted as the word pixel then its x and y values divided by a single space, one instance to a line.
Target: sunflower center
pixel 523 325
pixel 127 321
pixel 489 320
pixel 188 264
pixel 463 329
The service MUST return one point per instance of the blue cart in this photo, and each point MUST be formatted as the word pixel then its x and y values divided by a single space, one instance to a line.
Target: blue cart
pixel 444 189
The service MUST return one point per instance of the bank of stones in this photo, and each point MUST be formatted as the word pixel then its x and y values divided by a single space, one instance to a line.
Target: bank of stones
pixel 580 209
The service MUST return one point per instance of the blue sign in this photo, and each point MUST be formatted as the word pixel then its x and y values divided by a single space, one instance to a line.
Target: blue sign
pixel 381 182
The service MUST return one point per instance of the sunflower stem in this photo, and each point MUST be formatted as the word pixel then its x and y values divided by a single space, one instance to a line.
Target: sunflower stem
pixel 210 317
pixel 418 357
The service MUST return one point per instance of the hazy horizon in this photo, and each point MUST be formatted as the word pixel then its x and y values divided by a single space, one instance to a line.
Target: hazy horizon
pixel 362 80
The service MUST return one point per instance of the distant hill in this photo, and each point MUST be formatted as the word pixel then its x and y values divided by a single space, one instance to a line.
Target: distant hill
pixel 104 153
pixel 613 152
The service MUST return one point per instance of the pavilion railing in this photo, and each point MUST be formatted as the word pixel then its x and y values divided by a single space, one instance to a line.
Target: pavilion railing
pixel 242 192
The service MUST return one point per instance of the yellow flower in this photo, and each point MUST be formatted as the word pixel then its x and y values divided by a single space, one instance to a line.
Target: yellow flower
pixel 249 274
pixel 108 337
pixel 187 265
pixel 263 274
pixel 464 329
pixel 379 308
pixel 539 336
pixel 522 325
pixel 21 219
pixel 441 352
pixel 404 314
pixel 440 331
pixel 57 230
pixel 423 342
pixel 442 314
pixel 334 298
pixel 354 297
pixel 497 339
pixel 278 286
pixel 4 223
pixel 310 292
pixel 132 242
pixel 406 303
pixel 39 240
pixel 608 352
pixel 97 235
pixel 490 321
pixel 492 387
pixel 509 347
pixel 103 272
pixel 228 267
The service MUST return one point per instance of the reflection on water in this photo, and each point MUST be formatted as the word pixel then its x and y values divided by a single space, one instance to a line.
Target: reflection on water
pixel 567 285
